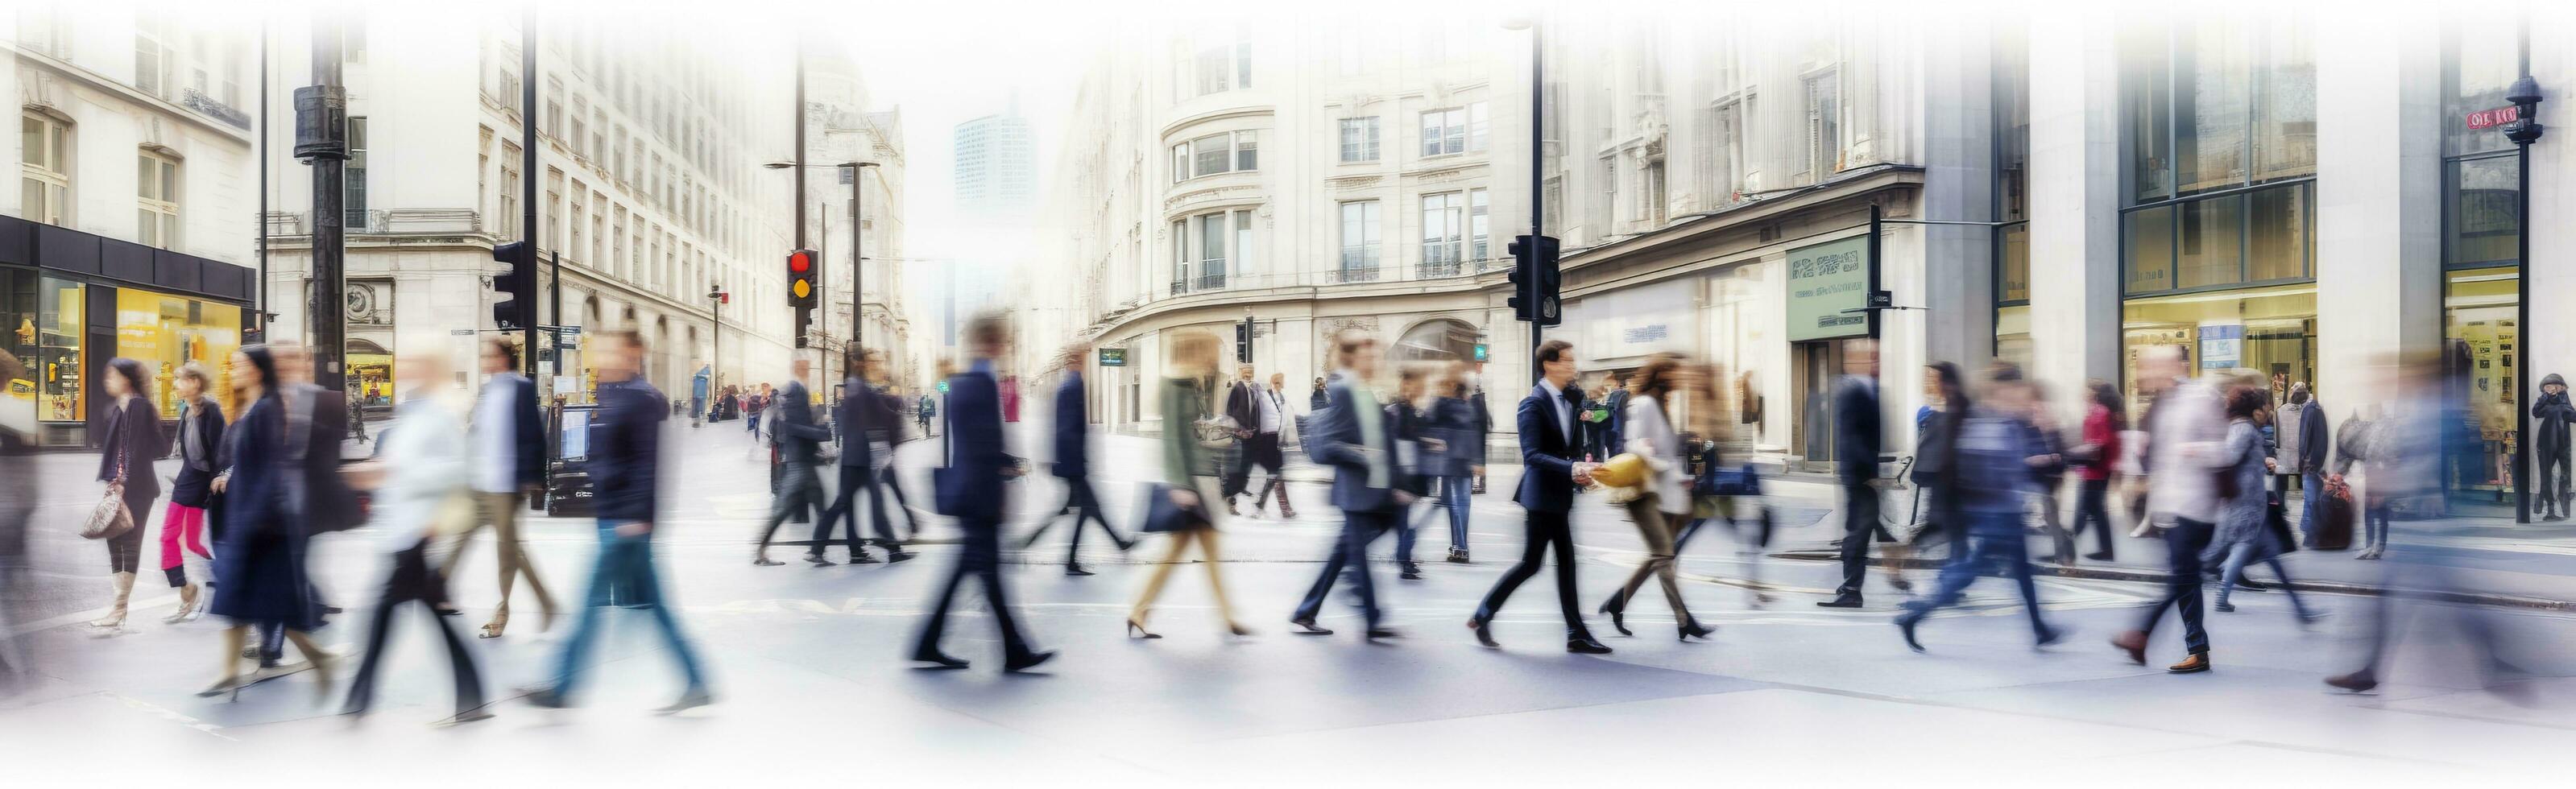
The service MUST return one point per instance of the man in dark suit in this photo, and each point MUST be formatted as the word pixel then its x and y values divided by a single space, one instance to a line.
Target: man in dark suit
pixel 1856 443
pixel 1358 441
pixel 1243 406
pixel 865 423
pixel 1551 450
pixel 1614 428
pixel 626 475
pixel 799 486
pixel 973 488
pixel 1262 449
pixel 1072 444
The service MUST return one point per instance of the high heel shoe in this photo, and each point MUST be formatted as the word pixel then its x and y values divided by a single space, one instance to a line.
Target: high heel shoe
pixel 500 622
pixel 1618 615
pixel 1136 630
pixel 188 598
pixel 1691 628
pixel 228 687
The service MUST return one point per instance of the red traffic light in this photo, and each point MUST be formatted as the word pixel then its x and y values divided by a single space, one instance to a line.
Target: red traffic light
pixel 799 262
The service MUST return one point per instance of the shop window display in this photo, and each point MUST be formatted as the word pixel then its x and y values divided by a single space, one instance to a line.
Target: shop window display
pixel 165 331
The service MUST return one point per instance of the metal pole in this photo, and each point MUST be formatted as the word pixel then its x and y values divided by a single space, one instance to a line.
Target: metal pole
pixel 1874 226
pixel 528 175
pixel 262 325
pixel 1538 179
pixel 325 314
pixel 2522 290
pixel 799 49
pixel 554 299
pixel 858 261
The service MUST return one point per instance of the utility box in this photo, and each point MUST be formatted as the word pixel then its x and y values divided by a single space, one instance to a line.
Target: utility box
pixel 321 123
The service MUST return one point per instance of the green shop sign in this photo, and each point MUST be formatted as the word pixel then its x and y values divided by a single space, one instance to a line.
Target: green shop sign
pixel 1824 281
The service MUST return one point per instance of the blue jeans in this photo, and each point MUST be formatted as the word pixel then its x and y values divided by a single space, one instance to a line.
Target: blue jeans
pixel 627 564
pixel 1994 538
pixel 2233 570
pixel 1453 495
pixel 2184 540
pixel 2312 494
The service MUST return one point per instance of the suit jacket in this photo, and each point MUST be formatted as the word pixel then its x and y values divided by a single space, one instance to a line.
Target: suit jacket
pixel 1547 455
pixel 792 419
pixel 527 430
pixel 1072 429
pixel 626 452
pixel 1343 447
pixel 1240 406
pixel 972 488
pixel 2313 440
pixel 1856 429
pixel 322 417
pixel 1617 402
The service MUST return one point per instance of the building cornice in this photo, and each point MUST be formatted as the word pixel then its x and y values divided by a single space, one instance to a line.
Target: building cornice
pixel 95 81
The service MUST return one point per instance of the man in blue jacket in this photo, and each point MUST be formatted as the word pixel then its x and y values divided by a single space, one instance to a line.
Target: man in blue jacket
pixel 1856 443
pixel 1358 440
pixel 1551 447
pixel 1072 443
pixel 799 486
pixel 866 421
pixel 626 475
pixel 973 488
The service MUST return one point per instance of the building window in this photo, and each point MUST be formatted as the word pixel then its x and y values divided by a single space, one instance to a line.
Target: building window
pixel 554 229
pixel 1359 241
pixel 151 55
pixel 1215 153
pixel 509 208
pixel 1479 234
pixel 1478 126
pixel 578 219
pixel 354 183
pixel 1443 219
pixel 156 214
pixel 1224 67
pixel 1359 139
pixel 1824 151
pixel 1444 132
pixel 44 193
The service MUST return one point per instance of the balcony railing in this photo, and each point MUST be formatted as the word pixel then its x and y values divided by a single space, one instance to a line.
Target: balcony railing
pixel 1200 283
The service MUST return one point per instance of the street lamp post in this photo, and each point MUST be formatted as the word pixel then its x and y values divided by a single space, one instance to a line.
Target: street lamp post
pixel 716 296
pixel 858 259
pixel 2525 130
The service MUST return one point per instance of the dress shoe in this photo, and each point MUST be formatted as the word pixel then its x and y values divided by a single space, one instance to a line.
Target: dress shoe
pixel 2225 608
pixel 2049 638
pixel 1905 627
pixel 933 656
pixel 1484 634
pixel 1617 608
pixel 861 557
pixel 2098 557
pixel 1691 628
pixel 899 555
pixel 1845 601
pixel 2362 681
pixel 2134 643
pixel 1585 645
pixel 1411 572
pixel 764 561
pixel 688 701
pixel 1377 633
pixel 1026 660
pixel 1076 569
pixel 1307 627
pixel 817 560
pixel 2197 663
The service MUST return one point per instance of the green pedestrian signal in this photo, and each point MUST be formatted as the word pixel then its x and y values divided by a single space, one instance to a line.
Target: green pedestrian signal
pixel 943 387
pixel 1483 354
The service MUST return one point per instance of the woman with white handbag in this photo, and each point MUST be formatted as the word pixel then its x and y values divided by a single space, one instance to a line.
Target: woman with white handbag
pixel 131 440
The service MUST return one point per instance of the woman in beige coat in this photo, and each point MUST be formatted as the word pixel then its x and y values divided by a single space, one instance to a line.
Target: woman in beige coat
pixel 1664 500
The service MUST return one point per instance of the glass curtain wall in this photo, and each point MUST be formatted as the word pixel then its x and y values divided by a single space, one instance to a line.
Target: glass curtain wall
pixel 2012 195
pixel 2481 233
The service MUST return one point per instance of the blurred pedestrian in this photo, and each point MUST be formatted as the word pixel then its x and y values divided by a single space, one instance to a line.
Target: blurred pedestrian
pixel 2357 442
pixel 508 438
pixel 800 486
pixel 626 473
pixel 2051 478
pixel 1998 463
pixel 1720 493
pixel 259 552
pixel 1072 435
pixel 2094 460
pixel 1357 438
pixel 2311 458
pixel 1936 427
pixel 974 489
pixel 420 475
pixel 2550 415
pixel 1315 401
pixel 17 507
pixel 1243 417
pixel 1614 407
pixel 869 422
pixel 1194 471
pixel 1856 444
pixel 1453 420
pixel 1596 424
pixel 1659 505
pixel 1553 469
pixel 1265 450
pixel 2244 504
pixel 2186 448
pixel 183 522
pixel 1414 446
pixel 128 443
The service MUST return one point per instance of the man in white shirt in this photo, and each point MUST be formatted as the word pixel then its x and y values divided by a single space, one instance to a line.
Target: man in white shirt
pixel 423 465
pixel 2186 433
pixel 1270 406
pixel 508 444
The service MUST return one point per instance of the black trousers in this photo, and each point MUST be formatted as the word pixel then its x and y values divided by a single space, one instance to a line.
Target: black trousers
pixel 412 581
pixel 2093 509
pixel 2554 480
pixel 798 488
pixel 845 510
pixel 891 482
pixel 1350 555
pixel 1084 504
pixel 1260 451
pixel 1860 520
pixel 1547 531
pixel 2184 543
pixel 980 558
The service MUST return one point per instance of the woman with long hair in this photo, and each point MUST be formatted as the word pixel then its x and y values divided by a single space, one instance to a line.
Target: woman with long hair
pixel 183 523
pixel 1663 500
pixel 2245 504
pixel 1453 418
pixel 1936 428
pixel 2103 423
pixel 1192 470
pixel 127 446
pixel 259 553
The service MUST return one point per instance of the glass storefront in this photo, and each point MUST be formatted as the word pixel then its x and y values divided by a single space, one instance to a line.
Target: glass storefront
pixel 2482 338
pixel 1737 319
pixel 48 315
pixel 2012 199
pixel 165 331
pixel 2272 329
pixel 2481 237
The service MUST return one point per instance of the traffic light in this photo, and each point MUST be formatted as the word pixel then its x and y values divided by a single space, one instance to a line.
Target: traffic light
pixel 1535 280
pixel 514 290
pixel 1243 342
pixel 804 290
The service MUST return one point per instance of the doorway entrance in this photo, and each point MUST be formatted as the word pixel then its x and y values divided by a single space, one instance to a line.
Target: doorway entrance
pixel 1819 364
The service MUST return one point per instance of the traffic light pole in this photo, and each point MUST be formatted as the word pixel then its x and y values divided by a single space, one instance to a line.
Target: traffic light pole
pixel 528 181
pixel 326 314
pixel 1538 178
pixel 554 305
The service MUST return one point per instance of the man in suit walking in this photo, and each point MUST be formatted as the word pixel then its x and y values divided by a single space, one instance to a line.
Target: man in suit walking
pixel 1072 444
pixel 626 474
pixel 1242 405
pixel 792 419
pixel 1551 450
pixel 1856 443
pixel 973 488
pixel 866 425
pixel 1358 441
pixel 1270 408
